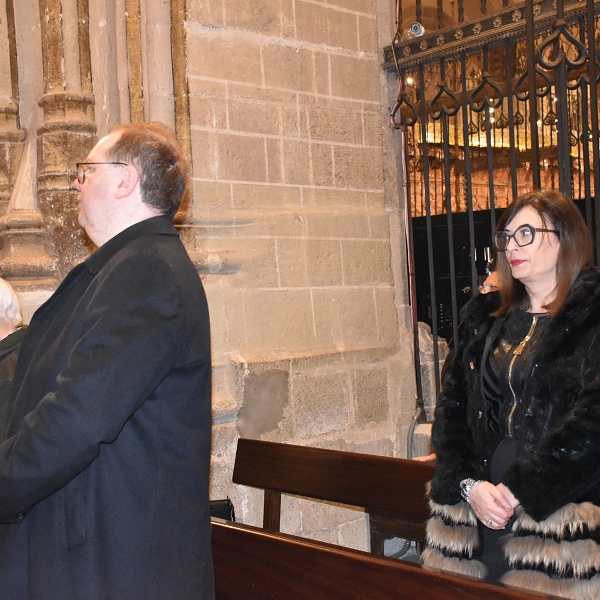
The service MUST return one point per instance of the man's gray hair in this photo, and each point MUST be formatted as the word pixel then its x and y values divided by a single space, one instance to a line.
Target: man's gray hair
pixel 10 309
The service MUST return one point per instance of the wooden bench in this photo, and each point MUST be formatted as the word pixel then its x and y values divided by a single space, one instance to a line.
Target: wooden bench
pixel 391 490
pixel 254 564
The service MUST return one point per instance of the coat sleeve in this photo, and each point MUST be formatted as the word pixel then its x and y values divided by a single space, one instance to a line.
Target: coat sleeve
pixel 456 456
pixel 565 464
pixel 130 336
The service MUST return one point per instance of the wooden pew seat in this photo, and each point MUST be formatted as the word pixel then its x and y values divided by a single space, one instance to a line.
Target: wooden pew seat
pixel 254 564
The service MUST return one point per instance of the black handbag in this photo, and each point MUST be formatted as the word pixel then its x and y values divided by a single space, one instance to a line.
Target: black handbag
pixel 222 509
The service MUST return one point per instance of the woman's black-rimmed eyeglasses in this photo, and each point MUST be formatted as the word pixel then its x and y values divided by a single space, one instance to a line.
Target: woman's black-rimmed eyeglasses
pixel 523 236
pixel 82 172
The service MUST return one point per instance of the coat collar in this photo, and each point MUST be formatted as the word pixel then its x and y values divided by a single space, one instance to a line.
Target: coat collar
pixel 162 225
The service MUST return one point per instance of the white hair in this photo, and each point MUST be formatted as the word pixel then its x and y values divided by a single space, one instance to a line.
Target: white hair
pixel 10 310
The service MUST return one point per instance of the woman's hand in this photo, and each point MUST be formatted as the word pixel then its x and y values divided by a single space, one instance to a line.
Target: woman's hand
pixel 508 495
pixel 490 505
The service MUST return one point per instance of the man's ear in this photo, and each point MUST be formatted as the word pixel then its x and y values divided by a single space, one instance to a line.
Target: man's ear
pixel 128 182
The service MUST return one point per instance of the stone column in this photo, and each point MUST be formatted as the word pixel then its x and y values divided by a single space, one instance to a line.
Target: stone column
pixel 11 136
pixel 23 260
pixel 68 131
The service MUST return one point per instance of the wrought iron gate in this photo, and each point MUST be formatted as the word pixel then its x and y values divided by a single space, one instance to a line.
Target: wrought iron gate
pixel 490 108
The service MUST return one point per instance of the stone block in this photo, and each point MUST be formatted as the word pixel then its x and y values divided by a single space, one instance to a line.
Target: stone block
pixel 224 439
pixel 251 223
pixel 367 34
pixel 224 404
pixel 278 321
pixel 353 224
pixel 320 24
pixel 293 122
pixel 321 403
pixel 373 126
pixel 254 116
pixel 379 225
pixel 381 447
pixel 205 12
pixel 291 517
pixel 321 164
pixel 357 167
pixel 355 533
pixel 221 472
pixel 287 19
pixel 375 199
pixel 309 263
pixel 421 443
pixel 345 318
pixel 371 396
pixel 387 316
pixel 242 158
pixel 265 397
pixel 261 16
pixel 296 158
pixel 211 198
pixel 208 107
pixel 336 122
pixel 322 78
pixel 367 262
pixel 265 197
pixel 329 536
pixel 340 199
pixel 250 263
pixel 288 67
pixel 275 157
pixel 317 515
pixel 210 51
pixel 362 6
pixel 354 77
pixel 205 154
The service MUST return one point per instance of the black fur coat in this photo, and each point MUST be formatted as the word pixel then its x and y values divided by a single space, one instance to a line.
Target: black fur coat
pixel 554 543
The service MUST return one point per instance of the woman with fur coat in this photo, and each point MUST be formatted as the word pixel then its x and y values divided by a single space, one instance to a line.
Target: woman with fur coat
pixel 516 492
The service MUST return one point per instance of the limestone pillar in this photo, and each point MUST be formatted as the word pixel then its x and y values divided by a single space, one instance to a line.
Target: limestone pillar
pixel 23 259
pixel 68 131
pixel 11 136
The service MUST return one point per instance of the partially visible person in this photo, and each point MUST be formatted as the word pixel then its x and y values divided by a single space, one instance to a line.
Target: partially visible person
pixel 104 466
pixel 516 493
pixel 490 284
pixel 11 334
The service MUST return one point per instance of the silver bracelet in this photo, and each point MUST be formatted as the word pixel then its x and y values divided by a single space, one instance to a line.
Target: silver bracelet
pixel 465 487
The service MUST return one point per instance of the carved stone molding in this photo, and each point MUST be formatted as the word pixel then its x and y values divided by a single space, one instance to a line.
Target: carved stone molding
pixel 66 137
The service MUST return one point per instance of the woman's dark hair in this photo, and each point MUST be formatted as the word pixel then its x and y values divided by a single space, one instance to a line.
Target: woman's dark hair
pixel 576 246
pixel 154 151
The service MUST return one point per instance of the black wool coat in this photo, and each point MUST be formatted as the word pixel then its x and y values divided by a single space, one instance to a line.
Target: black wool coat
pixel 104 460
pixel 556 475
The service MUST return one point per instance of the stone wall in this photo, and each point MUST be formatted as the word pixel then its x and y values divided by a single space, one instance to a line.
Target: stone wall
pixel 293 219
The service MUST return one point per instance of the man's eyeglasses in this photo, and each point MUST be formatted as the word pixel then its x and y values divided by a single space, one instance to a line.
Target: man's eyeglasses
pixel 82 171
pixel 523 236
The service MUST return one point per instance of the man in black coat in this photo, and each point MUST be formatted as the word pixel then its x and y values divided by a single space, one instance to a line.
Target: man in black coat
pixel 105 452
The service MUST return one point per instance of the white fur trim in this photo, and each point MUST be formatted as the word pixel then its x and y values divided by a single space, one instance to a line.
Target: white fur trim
pixel 434 559
pixel 460 513
pixel 572 517
pixel 455 538
pixel 576 589
pixel 581 555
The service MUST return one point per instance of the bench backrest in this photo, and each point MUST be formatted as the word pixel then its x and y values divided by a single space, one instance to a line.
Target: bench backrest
pixel 255 564
pixel 379 484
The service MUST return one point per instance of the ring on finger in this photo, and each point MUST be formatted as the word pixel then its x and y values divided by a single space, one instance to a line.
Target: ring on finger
pixel 489 522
